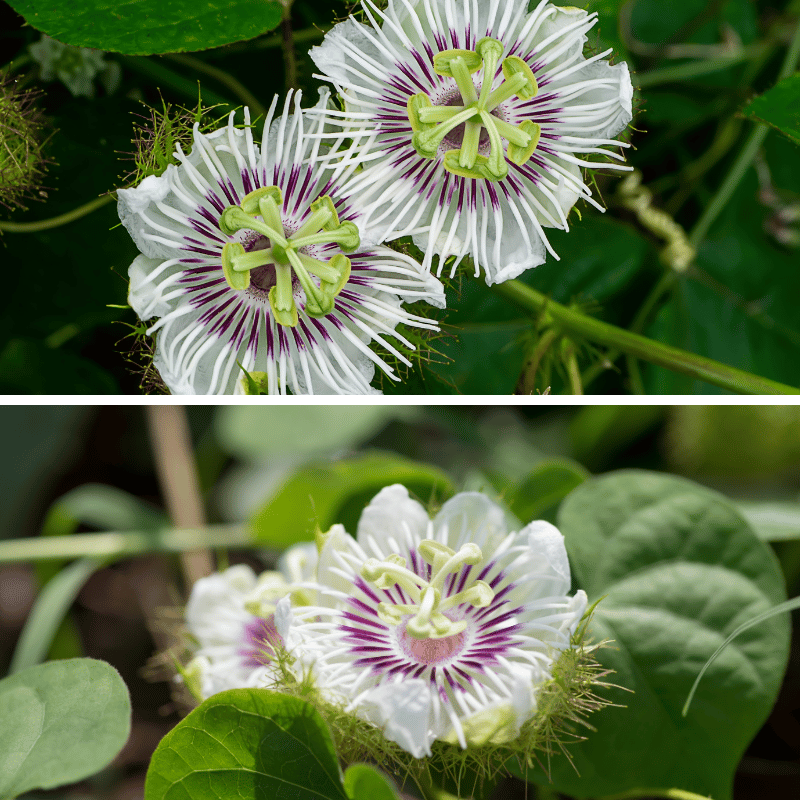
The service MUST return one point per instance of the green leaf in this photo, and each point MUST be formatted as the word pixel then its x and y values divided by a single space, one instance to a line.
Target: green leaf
pixel 546 486
pixel 363 782
pixel 680 570
pixel 779 107
pixel 777 521
pixel 146 27
pixel 247 744
pixel 324 494
pixel 260 433
pixel 62 722
pixel 52 605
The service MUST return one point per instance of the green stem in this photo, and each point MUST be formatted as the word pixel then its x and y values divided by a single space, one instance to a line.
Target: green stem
pixel 582 326
pixel 164 77
pixel 746 156
pixel 527 380
pixel 311 34
pixel 670 794
pixel 693 69
pixel 225 78
pixel 574 374
pixel 289 56
pixel 62 219
pixel 118 545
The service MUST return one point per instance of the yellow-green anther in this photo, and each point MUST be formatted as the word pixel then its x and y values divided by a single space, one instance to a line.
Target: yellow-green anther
pixel 416 104
pixel 346 236
pixel 419 625
pixel 514 134
pixel 461 75
pixel 435 553
pixel 469 145
pixel 271 214
pixel 341 264
pixel 322 269
pixel 434 114
pixel 250 203
pixel 467 554
pixel 442 62
pixel 480 594
pixel 451 163
pixel 496 165
pixel 490 50
pixel 391 615
pixel 514 66
pixel 239 281
pixel 323 216
pixel 234 219
pixel 244 262
pixel 427 142
pixel 505 90
pixel 281 297
pixel 519 155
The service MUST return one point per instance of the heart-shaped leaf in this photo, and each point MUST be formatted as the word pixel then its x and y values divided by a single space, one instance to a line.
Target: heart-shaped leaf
pixel 680 570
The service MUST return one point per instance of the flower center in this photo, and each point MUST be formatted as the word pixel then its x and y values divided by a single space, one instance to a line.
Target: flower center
pixel 434 124
pixel 427 620
pixel 260 212
pixel 431 651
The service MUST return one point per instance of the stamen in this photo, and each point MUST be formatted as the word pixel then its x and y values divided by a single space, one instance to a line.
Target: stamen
pixel 431 123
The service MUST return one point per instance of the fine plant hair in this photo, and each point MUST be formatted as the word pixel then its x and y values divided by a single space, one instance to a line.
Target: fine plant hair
pixel 563 704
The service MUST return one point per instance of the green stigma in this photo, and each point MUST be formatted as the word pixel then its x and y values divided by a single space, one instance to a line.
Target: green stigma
pixel 432 123
pixel 260 211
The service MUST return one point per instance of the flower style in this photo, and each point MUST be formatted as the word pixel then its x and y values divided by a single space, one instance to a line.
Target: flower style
pixel 474 110
pixel 253 259
pixel 230 617
pixel 440 629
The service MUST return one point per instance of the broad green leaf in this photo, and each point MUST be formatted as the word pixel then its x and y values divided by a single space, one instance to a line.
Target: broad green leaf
pixel 779 107
pixel 247 744
pixel 364 782
pixel 680 570
pixel 151 26
pixel 546 486
pixel 62 722
pixel 52 605
pixel 777 521
pixel 324 494
pixel 262 433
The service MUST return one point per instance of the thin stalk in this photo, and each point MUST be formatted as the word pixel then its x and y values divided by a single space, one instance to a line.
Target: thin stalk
pixel 693 69
pixel 698 367
pixel 527 380
pixel 165 78
pixel 573 372
pixel 225 78
pixel 16 63
pixel 61 219
pixel 289 56
pixel 746 156
pixel 122 545
pixel 177 474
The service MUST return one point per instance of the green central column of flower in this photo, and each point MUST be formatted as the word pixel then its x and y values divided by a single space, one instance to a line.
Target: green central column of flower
pixel 322 227
pixel 432 123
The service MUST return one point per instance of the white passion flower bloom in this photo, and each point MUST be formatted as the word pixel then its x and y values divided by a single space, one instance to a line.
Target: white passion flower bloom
pixel 230 619
pixel 436 629
pixel 251 257
pixel 479 115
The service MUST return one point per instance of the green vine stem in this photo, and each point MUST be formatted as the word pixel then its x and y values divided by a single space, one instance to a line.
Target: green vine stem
pixel 669 794
pixel 121 545
pixel 61 219
pixel 164 77
pixel 225 78
pixel 577 324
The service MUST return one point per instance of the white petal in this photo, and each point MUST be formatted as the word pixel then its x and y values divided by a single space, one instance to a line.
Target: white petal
pixel 392 514
pixel 471 517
